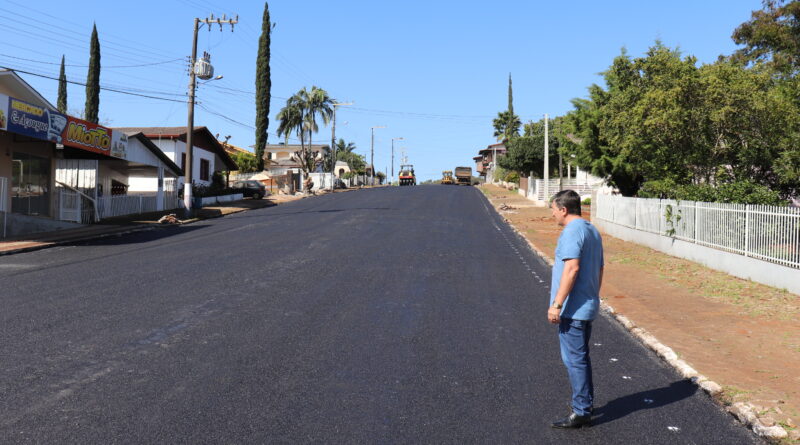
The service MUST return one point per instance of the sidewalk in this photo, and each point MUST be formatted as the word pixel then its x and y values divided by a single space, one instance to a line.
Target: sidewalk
pixel 742 335
pixel 132 223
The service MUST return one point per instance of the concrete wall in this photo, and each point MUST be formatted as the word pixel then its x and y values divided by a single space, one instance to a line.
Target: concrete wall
pixel 23 224
pixel 737 265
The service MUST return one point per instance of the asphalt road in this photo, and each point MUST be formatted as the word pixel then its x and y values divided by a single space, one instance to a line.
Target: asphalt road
pixel 395 315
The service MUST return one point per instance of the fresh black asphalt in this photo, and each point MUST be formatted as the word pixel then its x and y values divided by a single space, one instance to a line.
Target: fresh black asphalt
pixel 393 315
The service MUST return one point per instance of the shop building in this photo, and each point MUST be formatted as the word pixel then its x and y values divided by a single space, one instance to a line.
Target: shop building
pixel 58 171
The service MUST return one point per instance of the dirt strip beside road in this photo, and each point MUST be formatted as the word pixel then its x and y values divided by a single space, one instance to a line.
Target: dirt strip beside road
pixel 741 334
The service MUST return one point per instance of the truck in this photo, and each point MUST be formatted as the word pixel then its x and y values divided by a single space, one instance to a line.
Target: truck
pixel 447 177
pixel 407 175
pixel 464 175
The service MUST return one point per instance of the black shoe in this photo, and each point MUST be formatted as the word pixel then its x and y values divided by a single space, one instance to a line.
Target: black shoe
pixel 573 421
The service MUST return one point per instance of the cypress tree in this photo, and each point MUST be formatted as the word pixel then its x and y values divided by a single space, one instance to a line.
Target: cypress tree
pixel 92 109
pixel 263 88
pixel 62 89
pixel 510 96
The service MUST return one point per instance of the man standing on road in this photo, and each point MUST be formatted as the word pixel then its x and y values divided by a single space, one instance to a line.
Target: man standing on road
pixel 575 299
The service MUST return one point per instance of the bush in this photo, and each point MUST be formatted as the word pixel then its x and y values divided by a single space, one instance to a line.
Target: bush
pixel 512 177
pixel 739 192
pixel 587 202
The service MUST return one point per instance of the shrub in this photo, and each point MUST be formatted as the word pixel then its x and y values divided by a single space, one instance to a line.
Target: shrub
pixel 739 192
pixel 587 202
pixel 512 177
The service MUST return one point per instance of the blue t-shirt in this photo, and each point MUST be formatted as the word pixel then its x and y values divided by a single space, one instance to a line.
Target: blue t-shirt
pixel 579 239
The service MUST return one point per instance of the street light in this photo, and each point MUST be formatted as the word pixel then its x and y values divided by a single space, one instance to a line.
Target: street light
pixel 333 142
pixel 372 155
pixel 394 139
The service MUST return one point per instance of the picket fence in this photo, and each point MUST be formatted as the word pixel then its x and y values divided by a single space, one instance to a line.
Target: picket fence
pixel 768 233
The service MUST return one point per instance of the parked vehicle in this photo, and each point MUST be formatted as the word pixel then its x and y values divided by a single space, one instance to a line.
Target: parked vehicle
pixel 407 176
pixel 447 177
pixel 251 188
pixel 464 175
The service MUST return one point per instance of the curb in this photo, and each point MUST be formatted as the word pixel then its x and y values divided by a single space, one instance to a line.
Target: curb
pixel 47 245
pixel 744 412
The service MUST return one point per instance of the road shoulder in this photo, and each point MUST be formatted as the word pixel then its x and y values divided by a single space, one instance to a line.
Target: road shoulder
pixel 740 334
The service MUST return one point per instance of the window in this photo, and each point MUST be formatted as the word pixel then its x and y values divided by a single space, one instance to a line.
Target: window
pixel 30 184
pixel 204 166
pixel 183 161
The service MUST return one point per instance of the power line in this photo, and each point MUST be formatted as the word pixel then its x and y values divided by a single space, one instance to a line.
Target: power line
pixel 86 66
pixel 102 88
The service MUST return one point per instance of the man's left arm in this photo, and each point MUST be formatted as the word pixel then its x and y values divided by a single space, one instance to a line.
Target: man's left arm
pixel 568 277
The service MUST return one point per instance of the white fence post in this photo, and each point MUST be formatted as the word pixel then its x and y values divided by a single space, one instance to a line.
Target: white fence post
pixel 747 230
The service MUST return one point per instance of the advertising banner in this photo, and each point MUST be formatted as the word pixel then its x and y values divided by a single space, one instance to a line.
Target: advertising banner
pixel 87 136
pixel 35 121
pixel 3 111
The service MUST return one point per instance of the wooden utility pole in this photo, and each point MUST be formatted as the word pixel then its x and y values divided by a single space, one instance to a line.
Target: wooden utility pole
pixel 187 181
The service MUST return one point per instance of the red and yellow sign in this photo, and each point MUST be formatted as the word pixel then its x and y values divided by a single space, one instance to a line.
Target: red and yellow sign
pixel 87 136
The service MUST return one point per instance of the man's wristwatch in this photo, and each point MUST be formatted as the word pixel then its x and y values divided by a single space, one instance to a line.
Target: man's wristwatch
pixel 557 305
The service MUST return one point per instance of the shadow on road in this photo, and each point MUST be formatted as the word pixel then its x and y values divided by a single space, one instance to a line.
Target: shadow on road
pixel 157 233
pixel 654 398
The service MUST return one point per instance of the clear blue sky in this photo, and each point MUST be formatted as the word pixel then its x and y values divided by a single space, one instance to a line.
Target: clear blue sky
pixel 433 72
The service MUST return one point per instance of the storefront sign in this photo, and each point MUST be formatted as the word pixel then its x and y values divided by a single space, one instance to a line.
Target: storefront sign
pixel 35 121
pixel 3 111
pixel 87 136
pixel 119 145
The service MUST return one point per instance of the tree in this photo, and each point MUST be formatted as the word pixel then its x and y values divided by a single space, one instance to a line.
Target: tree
pixel 316 102
pixel 246 162
pixel 381 177
pixel 62 89
pixel 92 109
pixel 771 36
pixel 299 115
pixel 506 125
pixel 526 153
pixel 510 96
pixel 263 87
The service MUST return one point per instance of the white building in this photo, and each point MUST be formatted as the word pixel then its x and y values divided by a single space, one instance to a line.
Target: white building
pixel 208 156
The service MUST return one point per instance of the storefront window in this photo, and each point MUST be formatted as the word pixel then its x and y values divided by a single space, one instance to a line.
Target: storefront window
pixel 30 185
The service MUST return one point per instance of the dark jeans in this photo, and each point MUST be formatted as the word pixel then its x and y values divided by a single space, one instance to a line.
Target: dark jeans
pixel 574 338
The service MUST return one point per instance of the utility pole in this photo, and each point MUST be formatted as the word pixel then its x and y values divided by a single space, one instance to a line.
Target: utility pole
pixel 333 143
pixel 372 155
pixel 187 181
pixel 546 160
pixel 394 139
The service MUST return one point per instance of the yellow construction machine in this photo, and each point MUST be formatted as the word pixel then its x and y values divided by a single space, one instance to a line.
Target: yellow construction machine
pixel 447 177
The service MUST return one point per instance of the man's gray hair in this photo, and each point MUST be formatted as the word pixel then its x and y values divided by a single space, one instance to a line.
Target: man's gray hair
pixel 568 199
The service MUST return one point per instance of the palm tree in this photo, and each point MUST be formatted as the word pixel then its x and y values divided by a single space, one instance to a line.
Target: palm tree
pixel 300 116
pixel 506 125
pixel 316 102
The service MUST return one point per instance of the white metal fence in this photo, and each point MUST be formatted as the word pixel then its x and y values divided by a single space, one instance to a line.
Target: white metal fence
pixel 555 185
pixel 768 233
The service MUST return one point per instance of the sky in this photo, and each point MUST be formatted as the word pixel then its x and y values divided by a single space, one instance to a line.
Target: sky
pixel 434 73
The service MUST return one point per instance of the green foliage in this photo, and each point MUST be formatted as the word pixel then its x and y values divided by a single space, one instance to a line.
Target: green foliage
pixel 506 125
pixel 299 116
pixel 739 192
pixel 660 117
pixel 526 153
pixel 263 87
pixel 771 36
pixel 587 202
pixel 62 88
pixel 92 109
pixel 246 162
pixel 512 177
pixel 510 96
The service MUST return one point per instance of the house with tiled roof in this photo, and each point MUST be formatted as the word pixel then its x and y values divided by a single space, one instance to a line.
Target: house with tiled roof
pixel 208 155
